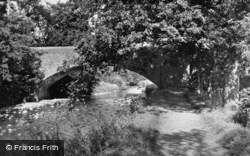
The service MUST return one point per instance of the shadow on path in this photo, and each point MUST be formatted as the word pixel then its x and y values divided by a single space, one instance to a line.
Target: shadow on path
pixel 171 100
pixel 181 130
pixel 186 144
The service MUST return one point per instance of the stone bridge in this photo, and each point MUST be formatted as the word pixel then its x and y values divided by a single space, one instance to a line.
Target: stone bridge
pixel 54 57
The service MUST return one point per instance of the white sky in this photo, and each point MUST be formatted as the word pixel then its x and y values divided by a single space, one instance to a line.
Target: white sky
pixel 54 1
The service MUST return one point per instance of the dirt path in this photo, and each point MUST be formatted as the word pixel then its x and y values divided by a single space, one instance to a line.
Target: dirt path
pixel 182 131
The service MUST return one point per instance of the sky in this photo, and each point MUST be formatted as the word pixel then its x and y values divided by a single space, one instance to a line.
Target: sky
pixel 54 1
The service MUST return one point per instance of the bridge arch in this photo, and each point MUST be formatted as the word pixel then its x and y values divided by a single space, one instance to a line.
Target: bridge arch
pixel 55 86
pixel 53 57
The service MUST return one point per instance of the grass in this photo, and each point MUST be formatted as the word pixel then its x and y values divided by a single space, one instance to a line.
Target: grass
pixel 96 131
pixel 231 136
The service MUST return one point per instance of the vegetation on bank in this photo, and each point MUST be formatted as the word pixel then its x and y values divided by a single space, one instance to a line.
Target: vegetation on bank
pixel 230 125
pixel 206 37
pixel 19 65
pixel 231 136
pixel 101 130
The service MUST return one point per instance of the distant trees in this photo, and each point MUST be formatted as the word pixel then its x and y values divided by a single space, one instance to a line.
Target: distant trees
pixel 57 24
pixel 19 65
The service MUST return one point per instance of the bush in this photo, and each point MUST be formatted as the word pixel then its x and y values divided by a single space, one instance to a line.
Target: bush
pixel 83 87
pixel 219 120
pixel 232 137
pixel 20 75
pixel 236 141
pixel 241 117
pixel 150 90
pixel 19 65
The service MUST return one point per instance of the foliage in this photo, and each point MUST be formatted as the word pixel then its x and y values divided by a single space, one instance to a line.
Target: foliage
pixel 150 90
pixel 147 36
pixel 136 104
pixel 241 117
pixel 42 19
pixel 19 65
pixel 219 121
pixel 94 133
pixel 242 113
pixel 231 136
pixel 208 37
pixel 236 141
pixel 58 24
pixel 82 88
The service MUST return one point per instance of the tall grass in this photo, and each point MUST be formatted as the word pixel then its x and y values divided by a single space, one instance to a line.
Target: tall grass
pixel 231 136
pixel 104 132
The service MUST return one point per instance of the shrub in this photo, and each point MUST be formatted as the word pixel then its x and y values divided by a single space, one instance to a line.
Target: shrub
pixel 19 65
pixel 219 120
pixel 241 117
pixel 136 104
pixel 83 87
pixel 232 137
pixel 236 141
pixel 150 90
pixel 19 74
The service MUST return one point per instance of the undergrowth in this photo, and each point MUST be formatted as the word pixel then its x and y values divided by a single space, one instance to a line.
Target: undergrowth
pixel 89 132
pixel 232 136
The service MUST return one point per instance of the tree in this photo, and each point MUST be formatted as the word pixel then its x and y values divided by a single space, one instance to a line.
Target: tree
pixel 41 18
pixel 209 36
pixel 19 65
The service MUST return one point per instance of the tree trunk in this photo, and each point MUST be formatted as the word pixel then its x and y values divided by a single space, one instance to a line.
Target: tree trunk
pixel 200 85
pixel 209 89
pixel 161 77
pixel 224 92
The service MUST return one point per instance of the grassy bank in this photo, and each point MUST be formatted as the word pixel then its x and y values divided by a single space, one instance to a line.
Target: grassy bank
pixel 100 130
pixel 231 136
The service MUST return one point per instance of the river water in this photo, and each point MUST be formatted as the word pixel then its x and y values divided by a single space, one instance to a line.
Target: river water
pixel 12 119
pixel 129 92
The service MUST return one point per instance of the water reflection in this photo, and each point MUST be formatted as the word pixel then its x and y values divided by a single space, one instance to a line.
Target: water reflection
pixel 129 92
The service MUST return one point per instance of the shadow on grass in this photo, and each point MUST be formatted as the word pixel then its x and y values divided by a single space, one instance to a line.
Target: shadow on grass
pixel 185 143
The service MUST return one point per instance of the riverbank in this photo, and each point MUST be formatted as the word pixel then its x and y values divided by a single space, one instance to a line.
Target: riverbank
pixel 13 119
pixel 168 125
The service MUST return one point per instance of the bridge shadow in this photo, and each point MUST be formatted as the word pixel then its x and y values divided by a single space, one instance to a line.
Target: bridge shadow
pixel 186 143
pixel 172 100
